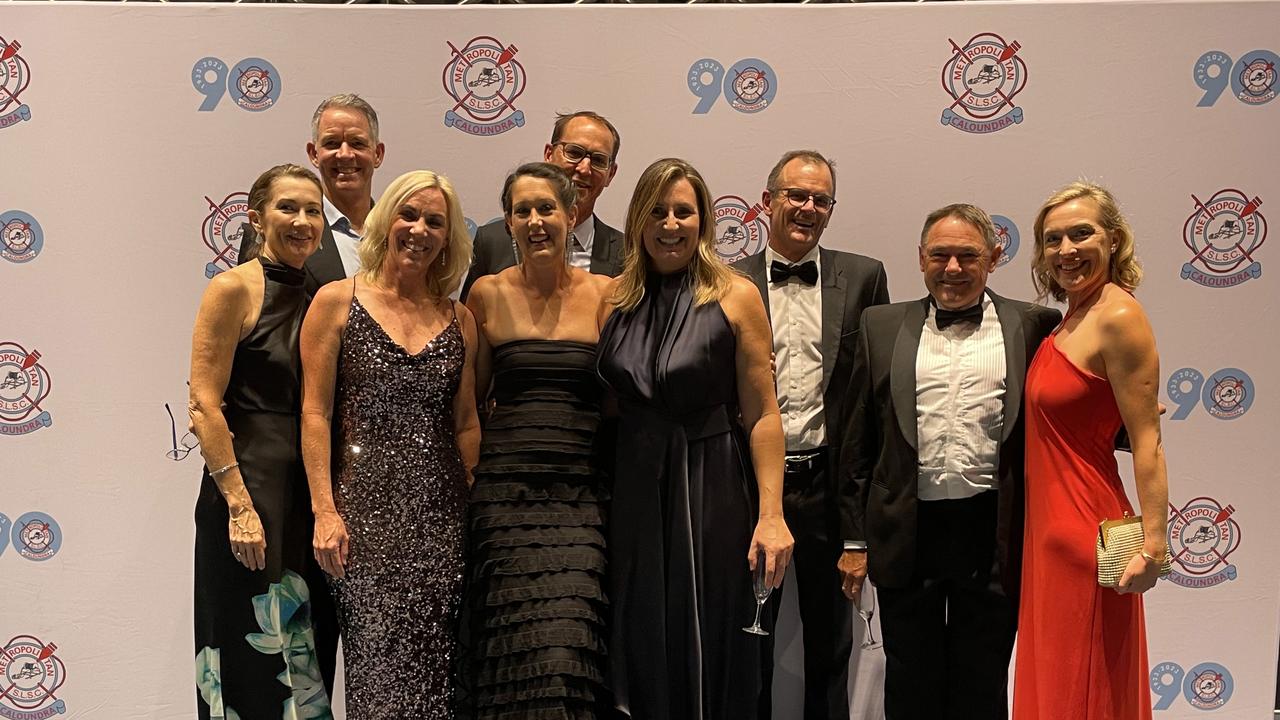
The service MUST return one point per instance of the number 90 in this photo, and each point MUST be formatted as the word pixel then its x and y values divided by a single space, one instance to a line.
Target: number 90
pixel 253 82
pixel 1252 79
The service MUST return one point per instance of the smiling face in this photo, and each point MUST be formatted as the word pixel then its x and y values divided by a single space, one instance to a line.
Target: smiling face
pixel 670 234
pixel 538 222
pixel 1076 249
pixel 793 231
pixel 955 261
pixel 418 233
pixel 345 152
pixel 291 221
pixel 594 138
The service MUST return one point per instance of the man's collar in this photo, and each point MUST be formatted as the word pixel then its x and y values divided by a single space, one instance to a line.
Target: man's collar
pixel 771 255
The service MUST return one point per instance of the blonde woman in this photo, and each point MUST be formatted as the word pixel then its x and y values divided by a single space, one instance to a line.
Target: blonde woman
pixel 389 407
pixel 698 484
pixel 1082 648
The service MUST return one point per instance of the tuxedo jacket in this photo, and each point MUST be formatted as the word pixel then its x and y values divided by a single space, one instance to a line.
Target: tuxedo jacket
pixel 492 252
pixel 324 265
pixel 850 284
pixel 879 459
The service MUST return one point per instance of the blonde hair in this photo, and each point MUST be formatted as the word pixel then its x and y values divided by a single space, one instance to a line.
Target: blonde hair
pixel 1125 271
pixel 442 277
pixel 711 278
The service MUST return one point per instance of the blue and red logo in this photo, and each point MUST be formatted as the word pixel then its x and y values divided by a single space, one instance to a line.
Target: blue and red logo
pixel 1202 536
pixel 1007 238
pixel 24 385
pixel 982 78
pixel 223 230
pixel 21 238
pixel 1224 234
pixel 15 76
pixel 485 80
pixel 742 228
pixel 30 677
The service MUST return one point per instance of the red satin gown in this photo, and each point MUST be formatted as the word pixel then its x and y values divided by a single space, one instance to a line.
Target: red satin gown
pixel 1082 648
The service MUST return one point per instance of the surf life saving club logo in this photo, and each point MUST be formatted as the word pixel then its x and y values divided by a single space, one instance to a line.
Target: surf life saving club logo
pixel 24 384
pixel 1224 234
pixel 21 238
pixel 30 677
pixel 484 79
pixel 15 76
pixel 223 230
pixel 742 228
pixel 1007 238
pixel 982 78
pixel 1202 535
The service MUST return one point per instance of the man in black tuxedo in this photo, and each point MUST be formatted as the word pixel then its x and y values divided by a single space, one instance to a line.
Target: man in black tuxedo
pixel 815 297
pixel 345 149
pixel 586 145
pixel 931 474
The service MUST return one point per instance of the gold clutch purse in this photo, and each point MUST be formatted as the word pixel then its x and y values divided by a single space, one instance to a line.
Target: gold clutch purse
pixel 1118 541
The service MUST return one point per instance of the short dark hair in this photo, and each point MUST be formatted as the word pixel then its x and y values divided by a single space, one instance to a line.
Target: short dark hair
pixel 812 156
pixel 563 120
pixel 260 193
pixel 566 191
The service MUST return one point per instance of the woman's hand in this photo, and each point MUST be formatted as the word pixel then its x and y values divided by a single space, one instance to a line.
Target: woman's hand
pixel 331 543
pixel 773 539
pixel 1140 575
pixel 248 543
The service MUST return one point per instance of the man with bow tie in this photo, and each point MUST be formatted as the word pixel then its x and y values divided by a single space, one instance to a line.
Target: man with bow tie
pixel 931 474
pixel 815 297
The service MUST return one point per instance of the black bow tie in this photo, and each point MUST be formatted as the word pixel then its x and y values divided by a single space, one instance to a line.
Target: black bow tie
pixel 806 272
pixel 947 317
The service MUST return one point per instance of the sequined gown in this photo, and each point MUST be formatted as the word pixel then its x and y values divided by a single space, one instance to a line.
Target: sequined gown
pixel 401 490
pixel 255 648
pixel 1082 648
pixel 537 608
pixel 684 499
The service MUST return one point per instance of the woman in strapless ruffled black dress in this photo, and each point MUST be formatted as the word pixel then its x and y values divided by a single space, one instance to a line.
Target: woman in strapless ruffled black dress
pixel 537 606
pixel 389 437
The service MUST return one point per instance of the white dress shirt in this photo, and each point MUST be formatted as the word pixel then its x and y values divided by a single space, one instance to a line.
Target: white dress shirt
pixel 960 389
pixel 580 250
pixel 346 240
pixel 795 311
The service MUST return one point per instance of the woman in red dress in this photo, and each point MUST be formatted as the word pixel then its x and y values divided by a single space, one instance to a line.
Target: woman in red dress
pixel 1082 648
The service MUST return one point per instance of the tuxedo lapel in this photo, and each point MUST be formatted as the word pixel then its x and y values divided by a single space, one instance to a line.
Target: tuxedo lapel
pixel 1015 359
pixel 325 264
pixel 833 301
pixel 600 247
pixel 902 371
pixel 754 267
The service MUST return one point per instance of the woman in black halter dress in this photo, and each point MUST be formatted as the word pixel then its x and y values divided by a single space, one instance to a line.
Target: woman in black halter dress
pixel 255 655
pixel 389 437
pixel 698 484
pixel 537 605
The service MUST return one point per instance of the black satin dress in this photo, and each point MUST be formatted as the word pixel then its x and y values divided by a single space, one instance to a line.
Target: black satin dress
pixel 684 502
pixel 255 647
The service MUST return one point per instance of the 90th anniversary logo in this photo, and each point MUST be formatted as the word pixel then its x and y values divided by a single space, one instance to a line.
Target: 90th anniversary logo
pixel 1224 234
pixel 741 228
pixel 1007 237
pixel 484 79
pixel 30 677
pixel 24 384
pixel 15 76
pixel 21 238
pixel 1202 535
pixel 223 229
pixel 982 79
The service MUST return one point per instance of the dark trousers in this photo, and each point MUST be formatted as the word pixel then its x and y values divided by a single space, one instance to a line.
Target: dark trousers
pixel 825 613
pixel 949 634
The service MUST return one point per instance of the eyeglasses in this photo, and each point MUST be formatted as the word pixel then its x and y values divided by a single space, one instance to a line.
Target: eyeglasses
pixel 798 197
pixel 181 449
pixel 575 153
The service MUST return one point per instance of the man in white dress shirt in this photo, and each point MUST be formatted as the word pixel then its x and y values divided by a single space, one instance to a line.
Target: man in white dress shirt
pixel 346 151
pixel 814 296
pixel 931 474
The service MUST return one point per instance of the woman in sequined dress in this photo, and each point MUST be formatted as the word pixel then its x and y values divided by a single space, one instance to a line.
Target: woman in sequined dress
pixel 697 489
pixel 536 605
pixel 389 408
pixel 253 520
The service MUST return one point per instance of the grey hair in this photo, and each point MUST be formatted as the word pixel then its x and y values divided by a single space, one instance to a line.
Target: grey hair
pixel 972 214
pixel 345 100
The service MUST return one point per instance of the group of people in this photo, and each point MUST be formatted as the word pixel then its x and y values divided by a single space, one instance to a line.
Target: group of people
pixel 556 497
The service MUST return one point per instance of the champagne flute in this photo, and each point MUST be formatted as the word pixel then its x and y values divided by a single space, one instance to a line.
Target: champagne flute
pixel 762 591
pixel 869 641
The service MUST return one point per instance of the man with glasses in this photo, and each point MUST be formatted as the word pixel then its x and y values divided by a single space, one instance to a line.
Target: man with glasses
pixel 814 297
pixel 345 150
pixel 931 474
pixel 586 145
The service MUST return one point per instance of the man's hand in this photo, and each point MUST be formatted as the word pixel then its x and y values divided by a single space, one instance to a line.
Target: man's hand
pixel 853 569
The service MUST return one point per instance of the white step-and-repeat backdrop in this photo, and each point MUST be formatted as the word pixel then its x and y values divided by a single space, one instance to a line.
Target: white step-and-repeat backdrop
pixel 129 134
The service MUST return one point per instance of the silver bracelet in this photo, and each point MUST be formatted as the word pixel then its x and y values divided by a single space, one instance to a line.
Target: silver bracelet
pixel 215 473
